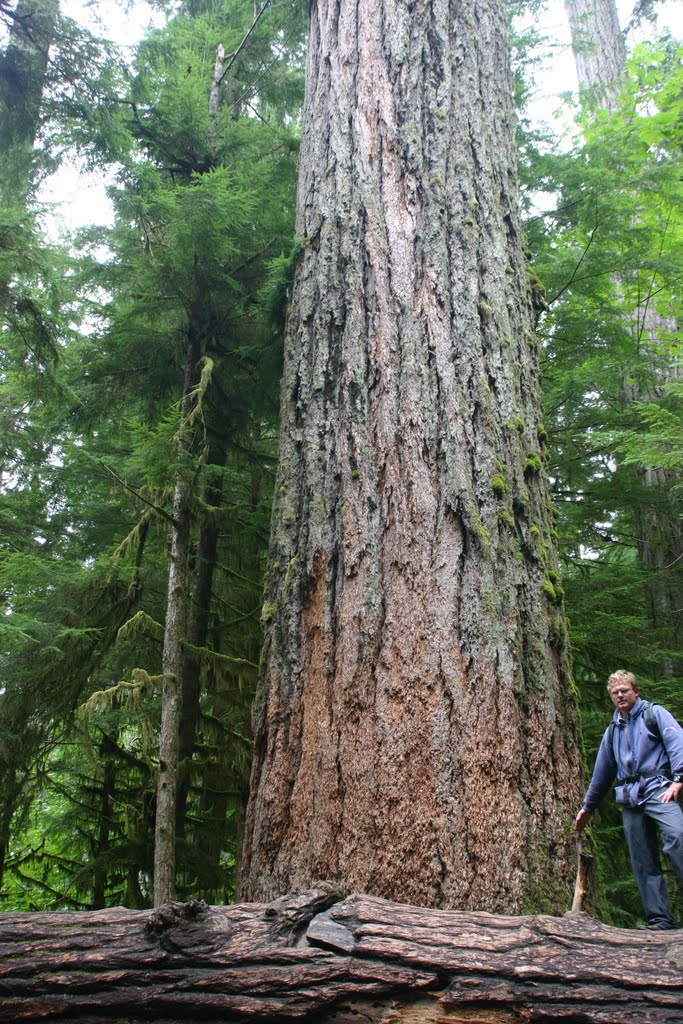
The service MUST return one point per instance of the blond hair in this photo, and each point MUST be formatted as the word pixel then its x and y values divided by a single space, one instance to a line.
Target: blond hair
pixel 624 677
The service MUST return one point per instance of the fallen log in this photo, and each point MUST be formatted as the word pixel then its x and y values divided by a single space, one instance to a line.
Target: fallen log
pixel 314 956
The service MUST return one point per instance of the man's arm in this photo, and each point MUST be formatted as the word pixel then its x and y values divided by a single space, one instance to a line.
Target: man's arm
pixel 672 741
pixel 603 776
pixel 582 819
pixel 672 793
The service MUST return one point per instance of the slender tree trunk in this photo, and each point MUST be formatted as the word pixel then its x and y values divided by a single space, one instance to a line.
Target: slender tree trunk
pixel 172 661
pixel 197 631
pixel 23 65
pixel 415 731
pixel 106 796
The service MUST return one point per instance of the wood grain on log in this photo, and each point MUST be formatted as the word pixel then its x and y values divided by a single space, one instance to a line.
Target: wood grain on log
pixel 316 957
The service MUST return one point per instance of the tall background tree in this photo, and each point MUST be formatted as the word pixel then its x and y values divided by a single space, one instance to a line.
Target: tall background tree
pixel 644 304
pixel 609 252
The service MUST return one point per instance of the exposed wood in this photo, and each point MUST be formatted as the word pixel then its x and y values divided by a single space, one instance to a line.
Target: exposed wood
pixel 315 957
pixel 582 868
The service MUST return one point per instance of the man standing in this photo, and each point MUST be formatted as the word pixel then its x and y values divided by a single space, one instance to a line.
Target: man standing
pixel 643 749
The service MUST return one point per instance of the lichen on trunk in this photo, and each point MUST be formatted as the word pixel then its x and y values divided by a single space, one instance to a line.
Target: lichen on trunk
pixel 415 731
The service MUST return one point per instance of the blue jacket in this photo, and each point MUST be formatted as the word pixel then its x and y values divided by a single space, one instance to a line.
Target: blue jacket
pixel 634 754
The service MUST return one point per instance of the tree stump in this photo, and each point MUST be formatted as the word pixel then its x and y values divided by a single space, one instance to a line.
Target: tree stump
pixel 315 956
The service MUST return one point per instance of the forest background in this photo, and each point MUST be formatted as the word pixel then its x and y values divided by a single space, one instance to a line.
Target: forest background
pixel 107 440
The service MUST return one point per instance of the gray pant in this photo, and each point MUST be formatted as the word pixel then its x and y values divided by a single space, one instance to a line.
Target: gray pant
pixel 640 827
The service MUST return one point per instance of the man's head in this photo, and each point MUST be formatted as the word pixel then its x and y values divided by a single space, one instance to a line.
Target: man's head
pixel 623 689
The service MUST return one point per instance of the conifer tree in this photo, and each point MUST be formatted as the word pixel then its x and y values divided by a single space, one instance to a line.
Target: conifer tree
pixel 642 298
pixel 202 205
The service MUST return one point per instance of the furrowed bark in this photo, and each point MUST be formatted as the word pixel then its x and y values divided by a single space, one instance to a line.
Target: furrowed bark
pixel 415 683
pixel 314 957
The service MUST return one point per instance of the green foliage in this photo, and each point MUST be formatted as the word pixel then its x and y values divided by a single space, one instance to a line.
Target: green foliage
pixel 657 441
pixel 610 252
pixel 171 301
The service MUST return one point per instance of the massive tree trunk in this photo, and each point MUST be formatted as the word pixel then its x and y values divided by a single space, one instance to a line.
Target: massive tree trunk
pixel 415 732
pixel 313 957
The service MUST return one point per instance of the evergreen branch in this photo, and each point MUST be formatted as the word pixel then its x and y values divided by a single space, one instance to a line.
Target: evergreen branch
pixel 63 790
pixel 15 632
pixel 251 88
pixel 255 614
pixel 651 290
pixel 244 41
pixel 257 114
pixel 237 575
pixel 132 693
pixel 204 654
pixel 143 623
pixel 576 268
pixel 157 508
pixel 59 896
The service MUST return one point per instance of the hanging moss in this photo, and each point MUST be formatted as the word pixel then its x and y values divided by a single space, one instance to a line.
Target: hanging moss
pixel 268 611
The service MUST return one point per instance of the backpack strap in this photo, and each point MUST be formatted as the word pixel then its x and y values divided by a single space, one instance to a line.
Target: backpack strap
pixel 651 723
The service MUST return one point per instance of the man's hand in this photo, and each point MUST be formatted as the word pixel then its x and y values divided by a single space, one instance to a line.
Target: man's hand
pixel 583 817
pixel 672 792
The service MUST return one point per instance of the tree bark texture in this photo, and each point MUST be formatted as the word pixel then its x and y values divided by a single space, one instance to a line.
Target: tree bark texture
pixel 415 681
pixel 314 957
pixel 598 45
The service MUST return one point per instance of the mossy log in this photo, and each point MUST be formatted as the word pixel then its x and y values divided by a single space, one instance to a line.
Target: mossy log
pixel 315 956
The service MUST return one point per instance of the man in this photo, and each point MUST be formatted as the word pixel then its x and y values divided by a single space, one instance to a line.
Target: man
pixel 643 750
